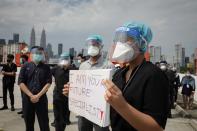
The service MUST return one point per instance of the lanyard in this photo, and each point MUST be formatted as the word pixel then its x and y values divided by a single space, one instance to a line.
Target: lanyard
pixel 131 78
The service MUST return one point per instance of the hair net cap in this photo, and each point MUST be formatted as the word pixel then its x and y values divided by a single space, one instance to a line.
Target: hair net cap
pixel 143 29
pixel 98 38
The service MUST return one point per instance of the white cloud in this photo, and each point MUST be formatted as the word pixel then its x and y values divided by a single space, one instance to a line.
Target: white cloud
pixel 71 21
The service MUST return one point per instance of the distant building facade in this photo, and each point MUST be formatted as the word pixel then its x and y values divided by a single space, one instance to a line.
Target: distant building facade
pixel 60 49
pixel 155 53
pixel 32 38
pixel 16 38
pixel 49 50
pixel 43 40
pixel 195 61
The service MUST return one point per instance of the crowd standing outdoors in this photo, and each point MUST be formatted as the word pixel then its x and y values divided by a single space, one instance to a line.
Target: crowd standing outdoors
pixel 141 94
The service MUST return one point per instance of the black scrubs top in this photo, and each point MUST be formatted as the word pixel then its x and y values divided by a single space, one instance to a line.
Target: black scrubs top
pixel 9 68
pixel 35 77
pixel 61 77
pixel 148 92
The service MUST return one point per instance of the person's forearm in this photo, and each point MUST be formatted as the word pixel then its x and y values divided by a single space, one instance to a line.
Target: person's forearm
pixel 44 90
pixel 138 120
pixel 10 73
pixel 24 89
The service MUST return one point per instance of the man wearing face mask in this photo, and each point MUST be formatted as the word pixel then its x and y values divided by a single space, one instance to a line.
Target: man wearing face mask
pixel 23 60
pixel 94 43
pixel 171 79
pixel 176 83
pixel 34 80
pixel 80 59
pixel 60 102
pixel 138 92
pixel 9 74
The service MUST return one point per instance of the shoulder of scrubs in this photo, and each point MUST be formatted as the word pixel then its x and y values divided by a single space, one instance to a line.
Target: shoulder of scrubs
pixel 48 73
pixel 53 70
pixel 148 90
pixel 14 67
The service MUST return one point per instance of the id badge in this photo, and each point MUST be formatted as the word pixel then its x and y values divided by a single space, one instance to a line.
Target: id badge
pixel 187 86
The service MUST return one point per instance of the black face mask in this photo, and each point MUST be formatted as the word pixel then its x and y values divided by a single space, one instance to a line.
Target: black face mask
pixel 8 60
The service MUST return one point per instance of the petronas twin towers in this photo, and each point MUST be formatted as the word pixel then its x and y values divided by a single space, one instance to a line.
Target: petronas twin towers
pixel 42 40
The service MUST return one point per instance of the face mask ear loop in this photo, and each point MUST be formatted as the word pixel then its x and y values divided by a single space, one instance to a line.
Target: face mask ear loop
pixel 145 42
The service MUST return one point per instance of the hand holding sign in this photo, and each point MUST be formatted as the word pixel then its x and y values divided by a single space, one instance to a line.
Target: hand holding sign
pixel 113 95
pixel 66 89
pixel 86 95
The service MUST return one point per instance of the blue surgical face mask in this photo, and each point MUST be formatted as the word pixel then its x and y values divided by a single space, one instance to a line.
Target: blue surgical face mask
pixel 38 58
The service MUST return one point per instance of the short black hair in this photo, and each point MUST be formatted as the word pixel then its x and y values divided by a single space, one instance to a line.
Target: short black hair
pixel 80 55
pixel 25 57
pixel 10 56
pixel 37 47
pixel 164 62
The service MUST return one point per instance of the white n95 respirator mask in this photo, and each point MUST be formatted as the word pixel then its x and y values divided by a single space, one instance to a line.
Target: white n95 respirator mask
pixel 124 52
pixel 93 50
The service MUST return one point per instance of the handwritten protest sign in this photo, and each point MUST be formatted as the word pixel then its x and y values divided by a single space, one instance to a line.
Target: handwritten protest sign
pixel 86 95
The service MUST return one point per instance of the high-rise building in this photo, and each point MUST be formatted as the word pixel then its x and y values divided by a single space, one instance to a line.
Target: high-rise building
pixel 32 38
pixel 195 54
pixel 157 54
pixel 60 48
pixel 195 61
pixel 16 38
pixel 178 56
pixel 151 51
pixel 186 60
pixel 2 41
pixel 43 40
pixel 10 41
pixel 192 58
pixel 72 52
pixel 183 57
pixel 49 50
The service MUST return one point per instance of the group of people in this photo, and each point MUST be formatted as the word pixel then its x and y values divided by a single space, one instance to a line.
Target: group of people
pixel 187 83
pixel 139 92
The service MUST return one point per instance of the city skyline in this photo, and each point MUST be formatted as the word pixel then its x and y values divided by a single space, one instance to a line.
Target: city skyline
pixel 43 39
pixel 70 22
pixel 156 53
pixel 32 38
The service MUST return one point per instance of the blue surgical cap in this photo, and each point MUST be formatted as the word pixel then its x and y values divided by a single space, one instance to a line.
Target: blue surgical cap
pixel 97 38
pixel 140 32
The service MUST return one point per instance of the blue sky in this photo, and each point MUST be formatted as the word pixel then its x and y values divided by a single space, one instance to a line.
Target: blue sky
pixel 71 21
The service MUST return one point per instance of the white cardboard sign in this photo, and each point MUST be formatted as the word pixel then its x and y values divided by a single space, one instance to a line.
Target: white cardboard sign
pixel 86 95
